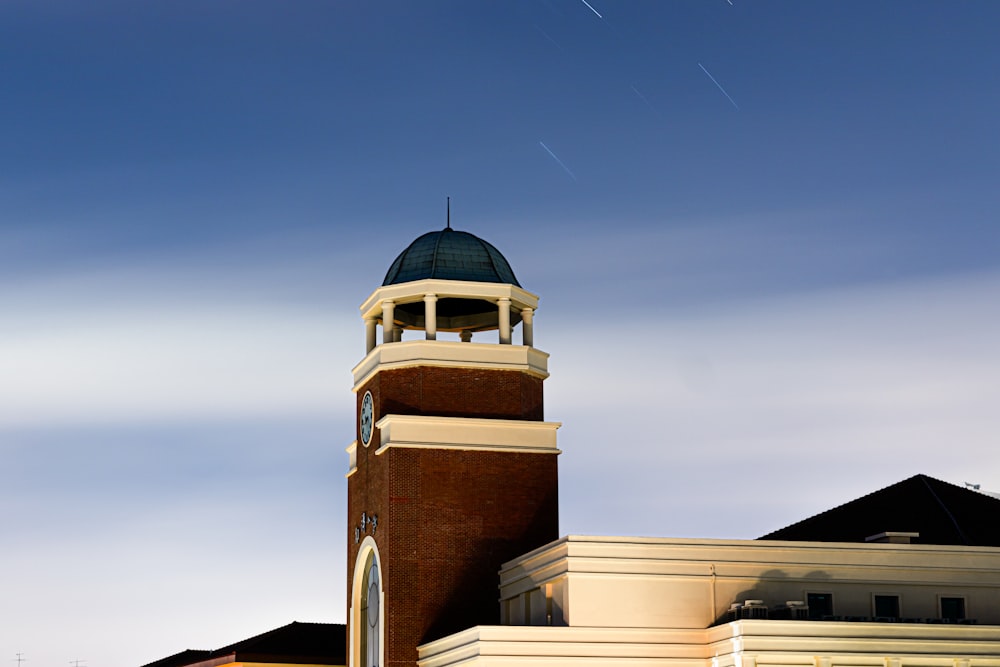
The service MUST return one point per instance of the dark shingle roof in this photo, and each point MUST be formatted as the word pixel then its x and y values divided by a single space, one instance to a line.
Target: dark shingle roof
pixel 450 255
pixel 940 512
pixel 296 643
pixel 179 659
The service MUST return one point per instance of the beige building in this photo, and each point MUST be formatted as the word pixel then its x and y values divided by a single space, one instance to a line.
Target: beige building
pixel 716 603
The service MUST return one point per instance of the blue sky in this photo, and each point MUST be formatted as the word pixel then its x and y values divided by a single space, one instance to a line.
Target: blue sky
pixel 760 303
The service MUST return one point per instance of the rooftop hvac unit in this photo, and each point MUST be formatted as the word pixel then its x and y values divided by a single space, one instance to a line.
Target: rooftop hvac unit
pixel 749 609
pixel 795 610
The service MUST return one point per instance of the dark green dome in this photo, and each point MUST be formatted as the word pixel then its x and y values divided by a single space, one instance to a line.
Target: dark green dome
pixel 450 255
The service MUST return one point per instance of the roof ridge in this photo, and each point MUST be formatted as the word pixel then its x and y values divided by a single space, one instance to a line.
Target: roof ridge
pixel 437 244
pixel 951 517
pixel 844 504
pixel 487 247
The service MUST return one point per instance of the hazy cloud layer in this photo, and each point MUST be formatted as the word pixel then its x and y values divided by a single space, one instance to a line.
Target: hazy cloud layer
pixel 791 405
pixel 208 442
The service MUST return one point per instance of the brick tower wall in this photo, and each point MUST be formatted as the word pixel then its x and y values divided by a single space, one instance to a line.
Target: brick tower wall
pixel 447 519
pixel 455 392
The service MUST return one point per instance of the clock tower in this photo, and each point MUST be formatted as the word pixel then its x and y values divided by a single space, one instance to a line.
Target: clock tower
pixel 454 468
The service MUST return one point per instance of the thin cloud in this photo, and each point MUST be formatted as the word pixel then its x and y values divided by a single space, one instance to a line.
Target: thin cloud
pixel 877 382
pixel 148 364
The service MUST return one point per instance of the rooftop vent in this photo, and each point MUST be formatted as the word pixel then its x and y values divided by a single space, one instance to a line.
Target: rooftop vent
pixel 892 537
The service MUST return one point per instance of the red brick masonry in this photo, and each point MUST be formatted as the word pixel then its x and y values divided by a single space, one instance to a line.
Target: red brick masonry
pixel 447 519
pixel 455 392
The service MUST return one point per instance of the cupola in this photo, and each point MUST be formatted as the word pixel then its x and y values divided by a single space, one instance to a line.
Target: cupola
pixel 449 280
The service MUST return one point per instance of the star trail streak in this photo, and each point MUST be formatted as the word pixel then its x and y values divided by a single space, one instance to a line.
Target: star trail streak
pixel 556 158
pixel 641 97
pixel 719 85
pixel 592 9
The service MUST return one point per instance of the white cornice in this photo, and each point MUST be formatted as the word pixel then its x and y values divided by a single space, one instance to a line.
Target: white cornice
pixel 508 435
pixel 683 558
pixel 444 289
pixel 451 354
pixel 352 453
pixel 909 640
pixel 732 644
pixel 533 645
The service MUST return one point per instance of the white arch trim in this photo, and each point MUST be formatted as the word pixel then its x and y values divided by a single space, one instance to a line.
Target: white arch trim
pixel 368 545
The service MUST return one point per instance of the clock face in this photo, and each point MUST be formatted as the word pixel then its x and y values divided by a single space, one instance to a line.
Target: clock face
pixel 367 418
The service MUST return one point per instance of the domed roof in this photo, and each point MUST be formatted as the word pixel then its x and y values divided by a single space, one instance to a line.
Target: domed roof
pixel 450 255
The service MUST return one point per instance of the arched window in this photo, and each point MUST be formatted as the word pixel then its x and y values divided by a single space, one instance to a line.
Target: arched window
pixel 371 588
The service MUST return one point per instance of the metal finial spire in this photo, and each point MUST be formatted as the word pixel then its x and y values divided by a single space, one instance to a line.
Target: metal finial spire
pixel 449 213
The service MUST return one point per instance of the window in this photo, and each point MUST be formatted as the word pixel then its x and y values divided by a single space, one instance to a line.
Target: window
pixel 820 604
pixel 886 606
pixel 953 608
pixel 370 630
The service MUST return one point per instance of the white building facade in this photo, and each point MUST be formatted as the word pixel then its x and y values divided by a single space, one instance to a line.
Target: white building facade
pixel 650 601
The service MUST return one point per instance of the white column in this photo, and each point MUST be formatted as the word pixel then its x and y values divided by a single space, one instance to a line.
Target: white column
pixel 503 309
pixel 430 316
pixel 370 325
pixel 527 327
pixel 388 310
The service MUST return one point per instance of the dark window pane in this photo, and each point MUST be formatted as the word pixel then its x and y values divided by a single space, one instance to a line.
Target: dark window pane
pixel 820 604
pixel 953 608
pixel 887 606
